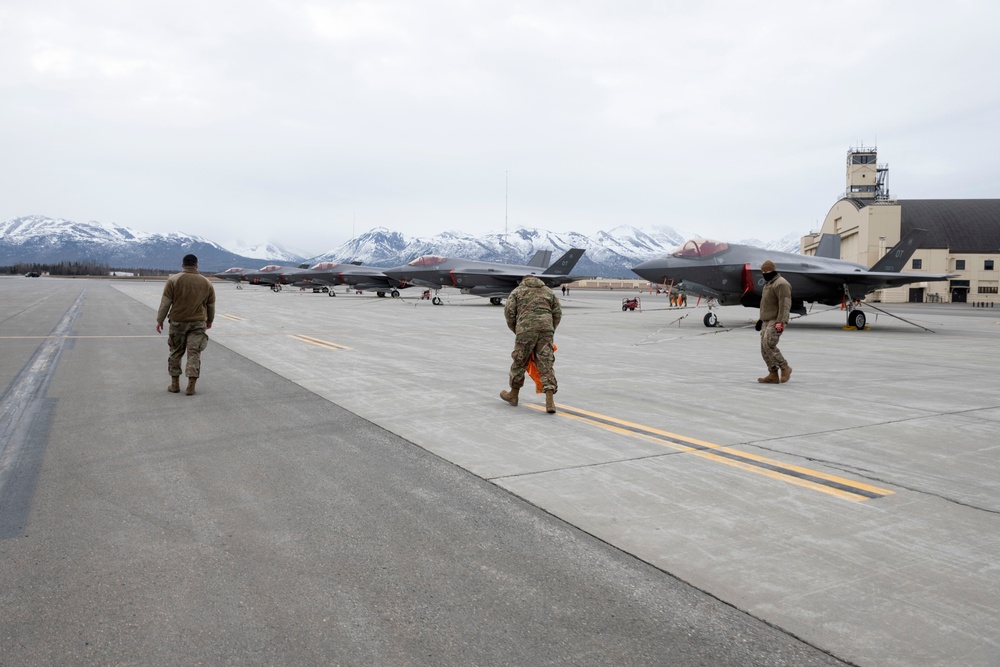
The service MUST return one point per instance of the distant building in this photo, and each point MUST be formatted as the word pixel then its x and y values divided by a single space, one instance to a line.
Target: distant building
pixel 963 235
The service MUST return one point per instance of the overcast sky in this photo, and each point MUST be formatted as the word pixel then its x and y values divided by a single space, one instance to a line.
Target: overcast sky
pixel 303 123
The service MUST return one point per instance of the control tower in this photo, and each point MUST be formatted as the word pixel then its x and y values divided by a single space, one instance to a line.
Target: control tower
pixel 865 177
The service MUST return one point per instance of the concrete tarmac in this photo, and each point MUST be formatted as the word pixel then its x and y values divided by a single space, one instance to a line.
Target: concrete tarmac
pixel 347 487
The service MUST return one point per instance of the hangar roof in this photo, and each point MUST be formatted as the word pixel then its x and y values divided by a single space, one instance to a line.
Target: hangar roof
pixel 966 226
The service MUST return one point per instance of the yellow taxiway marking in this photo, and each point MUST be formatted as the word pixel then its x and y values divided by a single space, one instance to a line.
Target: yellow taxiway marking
pixel 235 318
pixel 840 487
pixel 320 342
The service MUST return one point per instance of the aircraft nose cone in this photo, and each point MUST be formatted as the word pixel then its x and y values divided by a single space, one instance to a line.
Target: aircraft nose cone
pixel 653 270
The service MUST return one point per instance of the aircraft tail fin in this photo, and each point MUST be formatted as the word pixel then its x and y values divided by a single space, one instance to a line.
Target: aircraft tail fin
pixel 829 246
pixel 565 264
pixel 540 259
pixel 899 254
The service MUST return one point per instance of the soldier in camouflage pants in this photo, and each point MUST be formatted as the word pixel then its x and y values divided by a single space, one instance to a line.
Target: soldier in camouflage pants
pixel 189 301
pixel 532 313
pixel 189 337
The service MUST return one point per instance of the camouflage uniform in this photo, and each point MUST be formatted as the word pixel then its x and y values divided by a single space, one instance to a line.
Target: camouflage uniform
pixel 533 313
pixel 189 300
pixel 775 305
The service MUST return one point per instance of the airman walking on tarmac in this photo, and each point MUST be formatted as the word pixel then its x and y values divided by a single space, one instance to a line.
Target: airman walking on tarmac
pixel 532 313
pixel 775 305
pixel 189 301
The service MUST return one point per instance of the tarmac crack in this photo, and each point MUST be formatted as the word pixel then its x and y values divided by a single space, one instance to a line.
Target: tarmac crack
pixel 584 466
pixel 872 475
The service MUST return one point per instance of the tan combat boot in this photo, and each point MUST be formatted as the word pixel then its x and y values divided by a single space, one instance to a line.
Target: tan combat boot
pixel 786 373
pixel 510 396
pixel 550 402
pixel 175 385
pixel 772 378
pixel 190 389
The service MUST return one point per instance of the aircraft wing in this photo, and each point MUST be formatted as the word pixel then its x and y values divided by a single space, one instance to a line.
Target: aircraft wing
pixel 500 281
pixel 497 278
pixel 868 280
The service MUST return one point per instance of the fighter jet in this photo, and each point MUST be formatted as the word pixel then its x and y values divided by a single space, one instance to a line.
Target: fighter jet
pixel 269 275
pixel 329 274
pixel 729 274
pixel 488 279
pixel 234 274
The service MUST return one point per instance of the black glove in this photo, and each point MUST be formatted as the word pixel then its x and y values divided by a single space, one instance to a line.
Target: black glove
pixel 759 324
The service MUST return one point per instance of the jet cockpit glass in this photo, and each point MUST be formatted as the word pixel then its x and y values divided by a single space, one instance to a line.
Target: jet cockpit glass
pixel 428 260
pixel 272 267
pixel 324 266
pixel 700 248
pixel 235 269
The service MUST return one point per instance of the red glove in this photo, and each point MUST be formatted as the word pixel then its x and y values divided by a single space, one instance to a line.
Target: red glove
pixel 779 327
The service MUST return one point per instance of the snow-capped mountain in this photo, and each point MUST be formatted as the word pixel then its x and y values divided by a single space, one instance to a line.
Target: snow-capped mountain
pixel 43 240
pixel 611 253
pixel 266 252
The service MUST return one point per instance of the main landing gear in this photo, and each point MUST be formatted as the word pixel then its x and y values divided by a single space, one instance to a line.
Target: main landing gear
pixel 855 316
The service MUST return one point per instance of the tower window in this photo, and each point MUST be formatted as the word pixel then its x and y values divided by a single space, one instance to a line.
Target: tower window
pixel 988 265
pixel 960 265
pixel 918 264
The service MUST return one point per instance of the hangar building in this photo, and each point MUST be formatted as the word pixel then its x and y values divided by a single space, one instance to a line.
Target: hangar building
pixel 963 235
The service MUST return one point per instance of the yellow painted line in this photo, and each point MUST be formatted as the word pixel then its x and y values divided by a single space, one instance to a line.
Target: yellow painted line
pixel 834 485
pixel 234 318
pixel 319 342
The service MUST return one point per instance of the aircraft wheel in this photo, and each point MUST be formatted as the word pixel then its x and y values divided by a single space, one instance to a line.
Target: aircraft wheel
pixel 331 293
pixel 381 294
pixel 857 320
pixel 436 301
pixel 394 294
pixel 711 320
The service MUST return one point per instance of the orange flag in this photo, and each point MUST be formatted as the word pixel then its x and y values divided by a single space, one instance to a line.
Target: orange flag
pixel 533 372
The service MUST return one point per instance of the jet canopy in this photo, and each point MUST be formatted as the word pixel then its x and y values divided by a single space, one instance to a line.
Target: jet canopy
pixel 428 260
pixel 324 266
pixel 272 267
pixel 235 269
pixel 700 248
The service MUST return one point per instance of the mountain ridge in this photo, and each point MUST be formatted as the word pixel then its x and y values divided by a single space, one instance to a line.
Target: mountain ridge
pixel 610 253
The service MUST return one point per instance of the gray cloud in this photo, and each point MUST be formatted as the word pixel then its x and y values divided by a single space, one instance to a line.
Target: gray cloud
pixel 302 122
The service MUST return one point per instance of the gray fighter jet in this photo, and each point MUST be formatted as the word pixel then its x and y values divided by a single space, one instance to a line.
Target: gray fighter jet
pixel 329 274
pixel 234 274
pixel 730 274
pixel 488 279
pixel 269 275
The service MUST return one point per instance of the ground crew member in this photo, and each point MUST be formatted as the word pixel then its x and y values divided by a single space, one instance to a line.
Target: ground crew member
pixel 189 300
pixel 533 313
pixel 775 305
